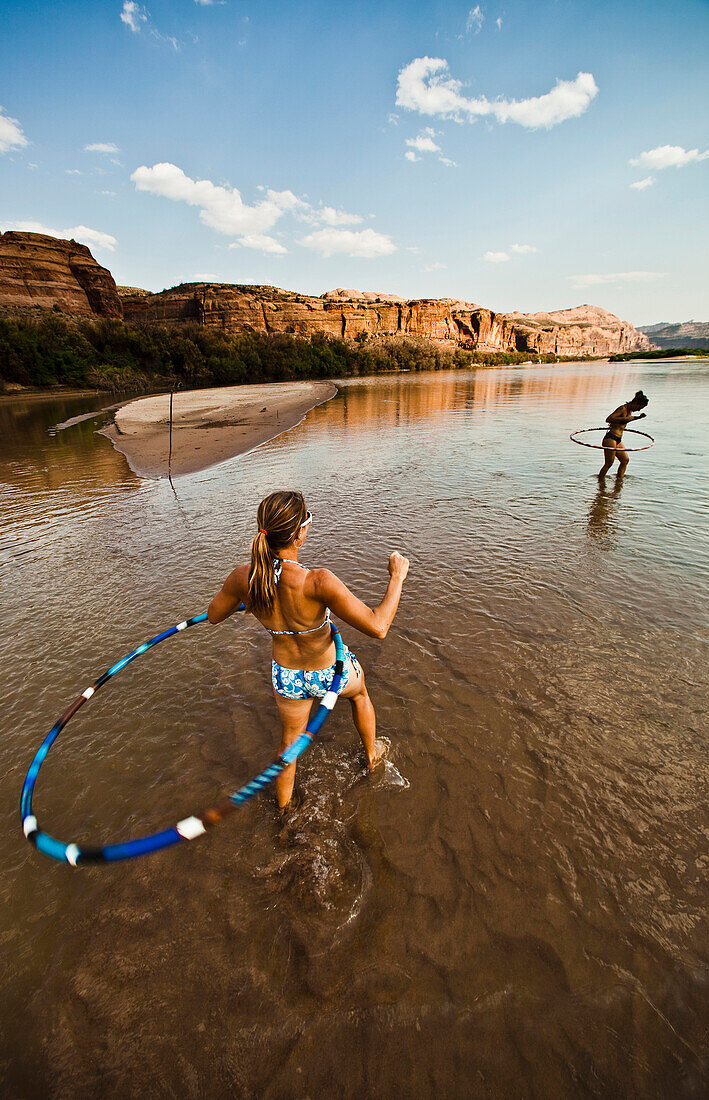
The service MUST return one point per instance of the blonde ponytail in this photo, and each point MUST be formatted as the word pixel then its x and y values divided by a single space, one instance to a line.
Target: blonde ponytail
pixel 280 517
pixel 262 580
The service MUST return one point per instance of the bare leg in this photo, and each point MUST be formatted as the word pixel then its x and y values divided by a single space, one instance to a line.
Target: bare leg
pixel 608 460
pixel 363 716
pixel 623 459
pixel 294 714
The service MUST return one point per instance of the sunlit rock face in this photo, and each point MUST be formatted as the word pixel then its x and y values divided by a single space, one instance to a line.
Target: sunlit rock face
pixel 43 271
pixel 584 330
pixel 352 314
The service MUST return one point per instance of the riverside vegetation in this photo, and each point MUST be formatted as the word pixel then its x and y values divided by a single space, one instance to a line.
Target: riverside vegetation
pixel 661 353
pixel 112 355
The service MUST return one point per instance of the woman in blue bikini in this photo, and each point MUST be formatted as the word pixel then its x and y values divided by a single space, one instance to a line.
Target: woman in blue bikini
pixel 294 604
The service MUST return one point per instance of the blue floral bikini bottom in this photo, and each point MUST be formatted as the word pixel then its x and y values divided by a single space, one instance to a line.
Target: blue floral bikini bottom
pixel 292 683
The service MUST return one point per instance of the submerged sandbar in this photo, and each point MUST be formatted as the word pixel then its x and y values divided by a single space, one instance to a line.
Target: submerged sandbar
pixel 209 426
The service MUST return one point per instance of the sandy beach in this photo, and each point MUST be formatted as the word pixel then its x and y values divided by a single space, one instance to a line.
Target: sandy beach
pixel 209 426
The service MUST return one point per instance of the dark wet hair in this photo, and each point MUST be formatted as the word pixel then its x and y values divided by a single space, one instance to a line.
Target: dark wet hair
pixel 640 400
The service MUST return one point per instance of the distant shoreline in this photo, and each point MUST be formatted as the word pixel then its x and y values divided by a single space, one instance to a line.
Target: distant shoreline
pixel 209 426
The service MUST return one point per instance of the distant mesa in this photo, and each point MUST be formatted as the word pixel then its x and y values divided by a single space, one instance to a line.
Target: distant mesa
pixel 686 334
pixel 41 272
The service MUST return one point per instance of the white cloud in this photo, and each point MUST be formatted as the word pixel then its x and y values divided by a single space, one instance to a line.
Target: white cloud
pixel 11 136
pixel 424 85
pixel 32 227
pixel 642 185
pixel 364 243
pixel 170 39
pixel 475 20
pixel 73 172
pixel 423 142
pixel 262 242
pixel 668 156
pixel 498 23
pixel 133 15
pixel 435 267
pixel 285 200
pixel 618 277
pixel 330 216
pixel 136 17
pixel 80 233
pixel 93 236
pixel 101 147
pixel 223 209
pixel 496 257
pixel 523 249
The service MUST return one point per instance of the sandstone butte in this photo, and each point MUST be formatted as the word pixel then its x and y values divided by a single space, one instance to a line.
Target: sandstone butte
pixel 42 271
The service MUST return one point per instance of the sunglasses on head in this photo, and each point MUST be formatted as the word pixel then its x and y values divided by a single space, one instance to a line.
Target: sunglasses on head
pixel 308 519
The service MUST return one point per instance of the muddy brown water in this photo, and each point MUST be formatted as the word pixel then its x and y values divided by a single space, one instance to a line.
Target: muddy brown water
pixel 527 917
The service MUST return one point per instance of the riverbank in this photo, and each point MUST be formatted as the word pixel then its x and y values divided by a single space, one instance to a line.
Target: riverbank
pixel 22 393
pixel 209 426
pixel 116 357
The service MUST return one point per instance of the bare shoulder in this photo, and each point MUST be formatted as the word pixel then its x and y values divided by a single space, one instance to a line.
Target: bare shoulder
pixel 320 582
pixel 238 580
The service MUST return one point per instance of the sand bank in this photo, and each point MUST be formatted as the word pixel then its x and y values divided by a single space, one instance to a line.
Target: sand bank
pixel 209 426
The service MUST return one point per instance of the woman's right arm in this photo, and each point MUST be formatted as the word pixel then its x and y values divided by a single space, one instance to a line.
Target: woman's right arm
pixel 374 622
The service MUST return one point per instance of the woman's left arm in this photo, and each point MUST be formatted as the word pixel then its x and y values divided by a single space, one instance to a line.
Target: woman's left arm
pixel 231 596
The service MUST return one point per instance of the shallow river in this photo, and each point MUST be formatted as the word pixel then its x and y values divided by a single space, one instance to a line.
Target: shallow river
pixel 524 915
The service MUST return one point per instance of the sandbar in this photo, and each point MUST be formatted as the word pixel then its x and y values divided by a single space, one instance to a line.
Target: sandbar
pixel 209 426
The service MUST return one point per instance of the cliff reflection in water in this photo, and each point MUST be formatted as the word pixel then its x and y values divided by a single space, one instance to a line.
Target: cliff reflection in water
pixel 50 479
pixel 408 398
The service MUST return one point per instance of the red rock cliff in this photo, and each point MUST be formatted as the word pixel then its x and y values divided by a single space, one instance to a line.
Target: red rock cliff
pixel 38 270
pixel 585 330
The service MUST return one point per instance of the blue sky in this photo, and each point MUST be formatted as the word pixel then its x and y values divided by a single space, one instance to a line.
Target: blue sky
pixel 481 152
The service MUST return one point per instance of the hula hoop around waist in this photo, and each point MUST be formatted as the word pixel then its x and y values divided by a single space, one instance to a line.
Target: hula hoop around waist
pixel 190 827
pixel 600 447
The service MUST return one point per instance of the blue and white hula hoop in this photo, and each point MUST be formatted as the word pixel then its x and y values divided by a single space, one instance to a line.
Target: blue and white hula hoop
pixel 190 827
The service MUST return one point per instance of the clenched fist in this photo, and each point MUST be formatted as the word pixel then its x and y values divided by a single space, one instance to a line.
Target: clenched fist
pixel 398 566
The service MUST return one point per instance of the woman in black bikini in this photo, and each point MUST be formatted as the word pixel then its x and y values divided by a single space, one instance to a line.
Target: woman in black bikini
pixel 613 439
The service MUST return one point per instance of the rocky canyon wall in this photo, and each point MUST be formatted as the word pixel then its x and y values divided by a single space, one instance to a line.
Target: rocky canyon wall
pixel 351 315
pixel 41 271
